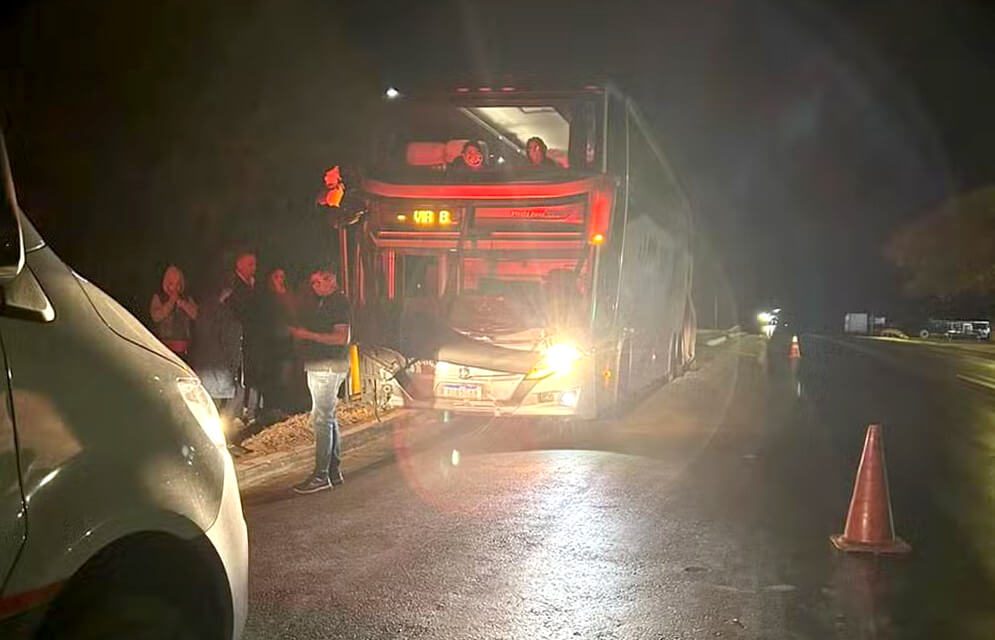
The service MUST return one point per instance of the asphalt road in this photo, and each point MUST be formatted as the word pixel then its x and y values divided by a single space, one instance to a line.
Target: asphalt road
pixel 704 512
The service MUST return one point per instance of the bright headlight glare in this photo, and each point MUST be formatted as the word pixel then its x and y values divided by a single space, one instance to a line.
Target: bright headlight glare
pixel 570 398
pixel 202 408
pixel 559 358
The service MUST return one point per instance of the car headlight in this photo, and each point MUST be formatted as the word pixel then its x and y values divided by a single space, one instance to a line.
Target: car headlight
pixel 558 358
pixel 202 408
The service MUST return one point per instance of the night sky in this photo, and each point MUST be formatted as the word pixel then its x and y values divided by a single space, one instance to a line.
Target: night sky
pixel 805 132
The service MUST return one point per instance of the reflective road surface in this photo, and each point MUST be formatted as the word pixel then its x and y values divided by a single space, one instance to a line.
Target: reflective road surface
pixel 703 512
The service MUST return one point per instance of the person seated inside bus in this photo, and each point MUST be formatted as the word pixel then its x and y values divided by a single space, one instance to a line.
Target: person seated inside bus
pixel 536 150
pixel 471 158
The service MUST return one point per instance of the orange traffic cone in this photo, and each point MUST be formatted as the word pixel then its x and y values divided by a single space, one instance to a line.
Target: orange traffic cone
pixel 869 525
pixel 795 351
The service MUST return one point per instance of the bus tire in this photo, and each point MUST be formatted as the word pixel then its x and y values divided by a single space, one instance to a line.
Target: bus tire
pixel 924 334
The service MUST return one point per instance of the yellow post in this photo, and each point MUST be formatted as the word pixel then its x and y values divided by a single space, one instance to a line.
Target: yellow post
pixel 355 381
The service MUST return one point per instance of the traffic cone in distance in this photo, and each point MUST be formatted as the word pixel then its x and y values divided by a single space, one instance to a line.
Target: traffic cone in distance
pixel 795 351
pixel 869 525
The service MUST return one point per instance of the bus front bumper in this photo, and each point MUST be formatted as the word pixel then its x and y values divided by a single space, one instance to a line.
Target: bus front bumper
pixel 500 394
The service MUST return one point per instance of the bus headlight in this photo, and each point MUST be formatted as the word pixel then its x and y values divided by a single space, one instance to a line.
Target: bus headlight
pixel 559 358
pixel 202 408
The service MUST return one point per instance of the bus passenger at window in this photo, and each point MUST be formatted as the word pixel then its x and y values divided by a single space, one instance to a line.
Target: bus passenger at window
pixel 471 158
pixel 535 149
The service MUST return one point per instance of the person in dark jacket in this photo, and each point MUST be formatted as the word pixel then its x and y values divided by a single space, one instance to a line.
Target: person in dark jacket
pixel 278 313
pixel 215 355
pixel 243 298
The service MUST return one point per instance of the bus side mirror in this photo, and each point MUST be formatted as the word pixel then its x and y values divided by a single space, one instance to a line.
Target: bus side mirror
pixel 339 197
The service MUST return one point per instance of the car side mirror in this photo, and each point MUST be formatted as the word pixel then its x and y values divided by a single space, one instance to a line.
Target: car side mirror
pixel 11 234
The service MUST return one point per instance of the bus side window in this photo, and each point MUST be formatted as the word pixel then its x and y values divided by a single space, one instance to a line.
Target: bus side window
pixel 617 145
pixel 654 187
pixel 585 145
pixel 608 273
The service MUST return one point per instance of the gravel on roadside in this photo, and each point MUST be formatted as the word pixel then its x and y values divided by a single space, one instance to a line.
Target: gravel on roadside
pixel 295 431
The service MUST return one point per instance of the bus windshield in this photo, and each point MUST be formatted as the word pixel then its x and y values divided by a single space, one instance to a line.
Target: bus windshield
pixel 426 141
pixel 509 296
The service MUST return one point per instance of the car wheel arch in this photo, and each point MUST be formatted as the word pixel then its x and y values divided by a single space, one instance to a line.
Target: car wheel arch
pixel 154 555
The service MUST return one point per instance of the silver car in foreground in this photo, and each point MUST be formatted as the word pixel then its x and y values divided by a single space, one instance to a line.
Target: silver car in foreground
pixel 119 509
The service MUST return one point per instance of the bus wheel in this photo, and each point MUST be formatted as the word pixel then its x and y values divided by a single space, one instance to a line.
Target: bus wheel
pixel 924 334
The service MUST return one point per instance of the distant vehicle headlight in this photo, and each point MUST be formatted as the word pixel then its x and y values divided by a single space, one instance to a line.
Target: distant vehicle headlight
pixel 558 358
pixel 202 408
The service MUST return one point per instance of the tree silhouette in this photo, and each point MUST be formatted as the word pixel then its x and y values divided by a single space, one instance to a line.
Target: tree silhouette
pixel 949 251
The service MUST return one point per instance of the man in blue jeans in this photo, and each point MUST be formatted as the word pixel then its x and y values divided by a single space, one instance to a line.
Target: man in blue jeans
pixel 323 338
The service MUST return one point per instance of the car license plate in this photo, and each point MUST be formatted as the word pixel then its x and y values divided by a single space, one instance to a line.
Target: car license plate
pixel 462 391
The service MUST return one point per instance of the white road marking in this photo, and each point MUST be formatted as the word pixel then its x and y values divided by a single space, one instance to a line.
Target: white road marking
pixel 988 384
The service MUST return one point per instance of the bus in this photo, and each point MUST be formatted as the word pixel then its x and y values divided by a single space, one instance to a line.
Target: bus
pixel 556 288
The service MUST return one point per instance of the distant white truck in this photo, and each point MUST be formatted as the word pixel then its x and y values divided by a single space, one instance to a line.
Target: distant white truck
pixel 863 324
pixel 956 329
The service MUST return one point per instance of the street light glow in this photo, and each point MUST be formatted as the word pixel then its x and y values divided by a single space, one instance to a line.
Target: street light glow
pixel 392 93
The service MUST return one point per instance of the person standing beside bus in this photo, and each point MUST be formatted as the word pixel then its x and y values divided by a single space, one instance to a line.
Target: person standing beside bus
pixel 324 337
pixel 172 312
pixel 217 354
pixel 243 298
pixel 278 312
